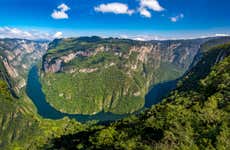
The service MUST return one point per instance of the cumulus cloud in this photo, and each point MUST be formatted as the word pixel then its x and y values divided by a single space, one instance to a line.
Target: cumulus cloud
pixel 117 8
pixel 146 5
pixel 58 35
pixel 61 12
pixel 8 32
pixel 144 12
pixel 151 4
pixel 176 18
pixel 63 7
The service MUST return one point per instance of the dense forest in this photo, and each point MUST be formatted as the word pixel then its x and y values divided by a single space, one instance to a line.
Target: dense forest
pixel 194 116
pixel 87 75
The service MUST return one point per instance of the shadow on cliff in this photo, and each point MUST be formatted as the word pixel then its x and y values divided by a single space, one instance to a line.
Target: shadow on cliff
pixel 158 92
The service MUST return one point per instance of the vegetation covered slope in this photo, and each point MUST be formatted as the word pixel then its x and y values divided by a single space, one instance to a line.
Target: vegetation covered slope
pixel 13 123
pixel 89 74
pixel 17 57
pixel 195 118
pixel 20 127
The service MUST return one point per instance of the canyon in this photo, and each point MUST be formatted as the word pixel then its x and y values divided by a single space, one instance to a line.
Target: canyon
pixel 107 80
pixel 89 75
pixel 18 55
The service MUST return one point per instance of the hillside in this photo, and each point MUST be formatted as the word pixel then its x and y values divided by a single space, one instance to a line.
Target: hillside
pixel 88 75
pixel 194 116
pixel 13 123
pixel 20 126
pixel 17 56
pixel 191 117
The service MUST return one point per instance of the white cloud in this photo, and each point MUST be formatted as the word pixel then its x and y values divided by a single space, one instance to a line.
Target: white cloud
pixel 176 18
pixel 8 32
pixel 59 15
pixel 144 12
pixel 146 5
pixel 121 8
pixel 63 7
pixel 58 35
pixel 61 12
pixel 142 37
pixel 149 37
pixel 221 34
pixel 173 19
pixel 151 4
pixel 117 8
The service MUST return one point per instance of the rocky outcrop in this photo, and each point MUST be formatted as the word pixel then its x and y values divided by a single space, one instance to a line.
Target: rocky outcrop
pixel 10 70
pixel 68 58
pixel 179 53
pixel 88 70
pixel 143 52
pixel 206 46
pixel 105 74
pixel 53 67
pixel 112 75
pixel 18 55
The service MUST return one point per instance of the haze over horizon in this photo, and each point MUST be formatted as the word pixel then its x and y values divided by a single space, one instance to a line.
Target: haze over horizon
pixel 135 19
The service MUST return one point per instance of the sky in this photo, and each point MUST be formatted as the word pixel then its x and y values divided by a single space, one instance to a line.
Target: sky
pixel 137 19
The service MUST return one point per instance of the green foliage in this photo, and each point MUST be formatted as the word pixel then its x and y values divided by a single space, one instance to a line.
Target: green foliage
pixel 210 57
pixel 195 118
pixel 83 93
pixel 6 82
pixel 191 117
pixel 112 79
pixel 20 127
pixel 167 72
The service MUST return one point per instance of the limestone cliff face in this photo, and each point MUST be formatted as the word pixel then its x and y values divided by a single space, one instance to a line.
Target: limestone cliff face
pixel 18 55
pixel 55 64
pixel 206 46
pixel 93 74
pixel 53 67
pixel 112 75
pixel 179 53
pixel 11 71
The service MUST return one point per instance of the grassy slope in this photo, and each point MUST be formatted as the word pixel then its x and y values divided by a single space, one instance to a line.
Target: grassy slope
pixel 195 118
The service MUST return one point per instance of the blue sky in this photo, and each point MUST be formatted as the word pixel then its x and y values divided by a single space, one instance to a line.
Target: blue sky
pixel 125 18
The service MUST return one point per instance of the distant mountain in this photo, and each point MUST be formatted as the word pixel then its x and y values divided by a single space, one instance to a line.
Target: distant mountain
pixel 87 75
pixel 18 55
pixel 196 115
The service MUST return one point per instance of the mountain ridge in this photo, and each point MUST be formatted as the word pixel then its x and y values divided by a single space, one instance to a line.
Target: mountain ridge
pixel 21 127
pixel 136 65
pixel 190 118
pixel 17 56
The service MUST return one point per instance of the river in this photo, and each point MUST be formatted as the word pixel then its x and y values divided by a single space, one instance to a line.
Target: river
pixel 35 93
